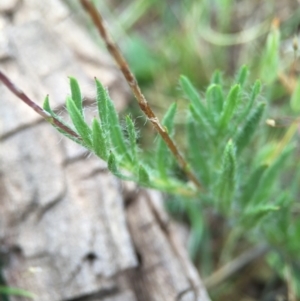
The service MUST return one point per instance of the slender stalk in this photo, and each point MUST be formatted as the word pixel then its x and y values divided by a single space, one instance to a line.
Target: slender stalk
pixel 21 95
pixel 132 82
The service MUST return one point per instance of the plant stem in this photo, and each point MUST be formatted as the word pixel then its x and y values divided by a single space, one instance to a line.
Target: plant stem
pixel 132 82
pixel 21 95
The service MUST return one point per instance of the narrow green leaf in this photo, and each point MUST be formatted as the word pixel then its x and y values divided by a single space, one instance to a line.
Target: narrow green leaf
pixel 215 99
pixel 112 164
pixel 201 121
pixel 253 215
pixel 254 93
pixel 132 135
pixel 230 105
pixel 168 119
pixel 247 131
pixel 295 99
pixel 82 128
pixel 255 90
pixel 242 75
pixel 99 140
pixel 197 228
pixel 110 121
pixel 102 99
pixel 76 94
pixel 198 152
pixel 269 64
pixel 217 78
pixel 227 179
pixel 115 132
pixel 163 156
pixel 192 95
pixel 46 107
pixel 267 184
pixel 252 183
pixel 143 175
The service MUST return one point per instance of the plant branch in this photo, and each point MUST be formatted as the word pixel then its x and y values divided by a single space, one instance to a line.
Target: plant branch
pixel 132 82
pixel 21 95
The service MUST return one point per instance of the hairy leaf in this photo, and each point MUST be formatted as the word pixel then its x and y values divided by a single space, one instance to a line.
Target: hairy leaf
pixel 230 105
pixel 215 99
pixel 132 135
pixel 242 75
pixel 76 94
pixel 247 131
pixel 102 100
pixel 163 156
pixel 82 128
pixel 227 180
pixel 143 175
pixel 99 140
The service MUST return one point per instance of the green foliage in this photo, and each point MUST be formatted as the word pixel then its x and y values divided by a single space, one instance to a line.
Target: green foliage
pixel 226 143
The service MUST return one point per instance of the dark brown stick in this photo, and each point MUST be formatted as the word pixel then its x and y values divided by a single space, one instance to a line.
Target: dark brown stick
pixel 132 82
pixel 20 94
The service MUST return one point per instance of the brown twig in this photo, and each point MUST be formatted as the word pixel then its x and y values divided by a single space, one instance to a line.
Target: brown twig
pixel 132 82
pixel 20 94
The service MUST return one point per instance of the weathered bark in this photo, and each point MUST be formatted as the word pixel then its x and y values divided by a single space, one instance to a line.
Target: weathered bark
pixel 65 232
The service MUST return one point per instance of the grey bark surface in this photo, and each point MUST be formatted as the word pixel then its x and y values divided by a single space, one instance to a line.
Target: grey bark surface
pixel 66 231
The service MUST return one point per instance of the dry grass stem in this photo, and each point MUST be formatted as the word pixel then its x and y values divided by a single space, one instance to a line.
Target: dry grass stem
pixel 21 95
pixel 132 82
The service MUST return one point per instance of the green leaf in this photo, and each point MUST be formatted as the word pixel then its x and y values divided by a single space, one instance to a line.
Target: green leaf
pixel 247 131
pixel 143 175
pixel 197 228
pixel 227 180
pixel 215 99
pixel 254 93
pixel 82 128
pixel 13 291
pixel 295 99
pixel 99 140
pixel 198 152
pixel 268 181
pixel 102 100
pixel 252 183
pixel 269 64
pixel 217 78
pixel 230 105
pixel 115 132
pixel 163 156
pixel 112 164
pixel 253 215
pixel 168 120
pixel 192 95
pixel 48 109
pixel 132 135
pixel 242 75
pixel 110 122
pixel 201 121
pixel 76 94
